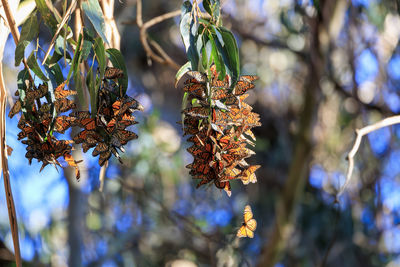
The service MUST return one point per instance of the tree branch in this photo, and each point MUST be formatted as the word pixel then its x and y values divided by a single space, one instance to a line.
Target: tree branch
pixel 163 58
pixel 4 31
pixel 360 133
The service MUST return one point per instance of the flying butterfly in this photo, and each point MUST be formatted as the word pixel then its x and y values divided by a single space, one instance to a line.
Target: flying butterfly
pixel 249 225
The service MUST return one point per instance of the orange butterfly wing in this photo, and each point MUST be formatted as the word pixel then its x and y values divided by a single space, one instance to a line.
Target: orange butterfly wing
pixel 249 225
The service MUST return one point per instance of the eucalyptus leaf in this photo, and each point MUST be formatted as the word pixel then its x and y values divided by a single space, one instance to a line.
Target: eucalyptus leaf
pixel 32 63
pixel 217 57
pixel 100 53
pixel 118 61
pixel 47 15
pixel 230 53
pixel 86 45
pixel 93 12
pixel 90 83
pixel 181 72
pixel 29 31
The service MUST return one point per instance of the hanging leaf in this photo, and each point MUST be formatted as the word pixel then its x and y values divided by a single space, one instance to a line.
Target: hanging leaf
pixel 118 62
pixel 32 63
pixel 86 45
pixel 29 31
pixel 47 15
pixel 93 12
pixel 181 72
pixel 90 83
pixel 213 8
pixel 188 28
pixel 217 58
pixel 100 53
pixel 230 53
pixel 75 59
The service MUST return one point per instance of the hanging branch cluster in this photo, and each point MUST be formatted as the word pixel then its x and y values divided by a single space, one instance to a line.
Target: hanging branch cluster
pixel 214 112
pixel 43 91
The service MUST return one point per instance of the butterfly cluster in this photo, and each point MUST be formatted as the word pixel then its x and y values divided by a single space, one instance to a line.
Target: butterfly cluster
pixel 220 123
pixel 40 118
pixel 106 132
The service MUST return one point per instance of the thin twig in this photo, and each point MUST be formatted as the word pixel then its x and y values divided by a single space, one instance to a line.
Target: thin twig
pixel 60 26
pixel 360 133
pixel 163 58
pixel 3 154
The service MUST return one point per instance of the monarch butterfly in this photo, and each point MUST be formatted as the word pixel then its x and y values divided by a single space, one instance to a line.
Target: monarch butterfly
pixel 201 112
pixel 113 73
pixel 224 185
pixel 63 105
pixel 248 175
pixel 104 157
pixel 15 108
pixel 198 77
pixel 60 93
pixel 100 148
pixel 249 225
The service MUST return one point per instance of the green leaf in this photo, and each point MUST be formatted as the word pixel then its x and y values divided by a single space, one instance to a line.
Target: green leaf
pixel 217 58
pixel 56 72
pixel 188 29
pixel 29 31
pixel 32 63
pixel 230 53
pixel 47 15
pixel 100 53
pixel 75 59
pixel 78 84
pixel 207 7
pixel 118 61
pixel 90 83
pixel 185 68
pixel 93 12
pixel 87 45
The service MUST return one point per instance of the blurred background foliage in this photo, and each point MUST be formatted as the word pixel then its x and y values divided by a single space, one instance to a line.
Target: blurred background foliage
pixel 326 68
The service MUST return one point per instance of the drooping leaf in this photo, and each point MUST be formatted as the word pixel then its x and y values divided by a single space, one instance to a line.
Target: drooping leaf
pixel 118 61
pixel 188 29
pixel 213 8
pixel 217 58
pixel 33 64
pixel 90 83
pixel 230 53
pixel 29 31
pixel 185 68
pixel 75 59
pixel 86 45
pixel 93 12
pixel 100 53
pixel 47 15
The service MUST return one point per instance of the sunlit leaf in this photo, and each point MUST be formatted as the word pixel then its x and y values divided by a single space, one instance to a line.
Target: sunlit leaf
pixel 93 12
pixel 230 53
pixel 29 31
